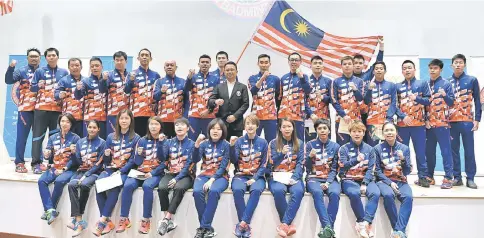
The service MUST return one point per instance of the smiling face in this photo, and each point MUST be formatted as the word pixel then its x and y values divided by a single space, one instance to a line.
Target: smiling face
pixel 379 71
pixel 408 71
pixel 96 67
pixel 204 64
pixel 390 133
pixel 250 127
pixel 230 72
pixel 357 135
pixel 323 131
pixel 294 62
pixel 92 129
pixel 65 124
pixel 170 67
pixel 75 67
pixel 264 64
pixel 286 129
pixel 216 132
pixel 33 58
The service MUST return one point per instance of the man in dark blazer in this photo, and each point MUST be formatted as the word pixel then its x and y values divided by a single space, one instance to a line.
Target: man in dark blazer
pixel 232 100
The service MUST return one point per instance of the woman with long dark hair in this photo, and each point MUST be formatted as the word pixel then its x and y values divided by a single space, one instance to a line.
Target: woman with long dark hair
pixel 148 159
pixel 118 159
pixel 286 156
pixel 89 152
pixel 59 148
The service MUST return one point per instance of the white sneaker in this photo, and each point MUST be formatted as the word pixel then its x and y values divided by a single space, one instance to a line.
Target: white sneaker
pixel 361 230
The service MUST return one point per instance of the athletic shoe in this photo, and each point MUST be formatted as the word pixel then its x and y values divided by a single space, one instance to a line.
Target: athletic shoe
pixel 423 182
pixel 209 233
pixel 145 227
pixel 20 168
pixel 109 227
pixel 73 224
pixel 282 230
pixel 44 216
pixel 100 226
pixel 239 231
pixel 163 227
pixel 369 229
pixel 457 182
pixel 39 168
pixel 247 233
pixel 200 233
pixel 361 230
pixel 326 232
pixel 51 216
pixel 123 224
pixel 80 226
pixel 446 184
pixel 470 184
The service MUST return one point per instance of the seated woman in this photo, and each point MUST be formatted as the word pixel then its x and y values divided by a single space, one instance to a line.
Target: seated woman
pixel 286 155
pixel 179 173
pixel 213 178
pixel 89 152
pixel 392 167
pixel 118 159
pixel 321 169
pixel 148 159
pixel 59 151
pixel 248 154
pixel 356 171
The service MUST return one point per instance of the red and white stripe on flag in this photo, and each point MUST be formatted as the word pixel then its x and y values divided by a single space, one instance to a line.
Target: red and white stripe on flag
pixel 332 48
pixel 6 6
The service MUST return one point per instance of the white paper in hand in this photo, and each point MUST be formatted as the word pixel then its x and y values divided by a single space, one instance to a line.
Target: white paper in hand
pixel 282 177
pixel 107 183
pixel 136 174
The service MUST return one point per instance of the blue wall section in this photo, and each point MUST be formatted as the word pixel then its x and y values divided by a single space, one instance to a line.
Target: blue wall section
pixel 11 113
pixel 446 73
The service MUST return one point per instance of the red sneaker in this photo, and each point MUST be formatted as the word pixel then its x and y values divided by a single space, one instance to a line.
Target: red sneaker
pixel 282 230
pixel 123 224
pixel 145 227
pixel 292 230
pixel 20 168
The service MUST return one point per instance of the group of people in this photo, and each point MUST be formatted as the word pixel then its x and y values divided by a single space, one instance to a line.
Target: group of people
pixel 369 156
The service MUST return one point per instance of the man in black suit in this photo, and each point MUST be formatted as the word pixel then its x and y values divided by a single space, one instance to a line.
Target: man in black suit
pixel 232 100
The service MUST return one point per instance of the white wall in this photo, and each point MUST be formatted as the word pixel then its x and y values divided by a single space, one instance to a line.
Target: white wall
pixel 183 30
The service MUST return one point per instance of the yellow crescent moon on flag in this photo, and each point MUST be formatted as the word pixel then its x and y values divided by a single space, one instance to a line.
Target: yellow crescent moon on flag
pixel 283 15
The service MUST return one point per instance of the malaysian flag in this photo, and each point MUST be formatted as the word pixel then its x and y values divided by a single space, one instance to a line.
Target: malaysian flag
pixel 6 7
pixel 285 31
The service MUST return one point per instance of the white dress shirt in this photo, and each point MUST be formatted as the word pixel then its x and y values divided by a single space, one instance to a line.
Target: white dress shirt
pixel 230 87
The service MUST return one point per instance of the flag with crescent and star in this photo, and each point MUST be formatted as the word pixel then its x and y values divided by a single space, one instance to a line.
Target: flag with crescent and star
pixel 285 31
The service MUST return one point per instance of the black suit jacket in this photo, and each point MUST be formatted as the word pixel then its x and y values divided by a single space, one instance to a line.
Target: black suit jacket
pixel 235 105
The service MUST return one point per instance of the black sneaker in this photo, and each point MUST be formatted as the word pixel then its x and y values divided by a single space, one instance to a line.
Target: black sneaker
pixel 457 182
pixel 209 233
pixel 423 182
pixel 200 233
pixel 471 184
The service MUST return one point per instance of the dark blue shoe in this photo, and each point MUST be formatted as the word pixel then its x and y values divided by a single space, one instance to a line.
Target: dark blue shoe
pixel 239 232
pixel 247 232
pixel 51 216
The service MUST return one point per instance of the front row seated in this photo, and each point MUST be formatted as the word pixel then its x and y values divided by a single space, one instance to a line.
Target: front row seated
pixel 170 164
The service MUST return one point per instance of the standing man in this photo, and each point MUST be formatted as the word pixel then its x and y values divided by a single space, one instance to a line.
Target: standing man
pixel 441 99
pixel 264 87
pixel 232 99
pixel 463 121
pixel 170 97
pixel 222 58
pixel 413 96
pixel 26 102
pixel 294 88
pixel 114 81
pixel 140 87
pixel 319 97
pixel 346 92
pixel 65 92
pixel 381 98
pixel 200 86
pixel 47 109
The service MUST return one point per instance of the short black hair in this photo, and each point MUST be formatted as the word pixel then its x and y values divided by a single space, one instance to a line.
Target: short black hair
pixel 263 56
pixel 231 63
pixel 204 56
pixel 388 123
pixel 182 120
pixel 408 62
pixel 359 56
pixel 459 56
pixel 322 122
pixel 33 49
pixel 144 49
pixel 222 53
pixel 294 53
pixel 95 122
pixel 120 54
pixel 95 59
pixel 316 57
pixel 437 62
pixel 51 49
pixel 74 59
pixel 382 63
pixel 217 121
pixel 69 116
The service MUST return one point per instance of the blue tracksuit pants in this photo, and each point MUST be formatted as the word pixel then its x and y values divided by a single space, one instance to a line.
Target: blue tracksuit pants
pixel 399 220
pixel 270 129
pixel 352 190
pixel 130 185
pixel 106 201
pixel 457 130
pixel 206 208
pixel 239 187
pixel 198 126
pixel 287 211
pixel 417 133
pixel 442 136
pixel 326 216
pixel 49 201
pixel 24 124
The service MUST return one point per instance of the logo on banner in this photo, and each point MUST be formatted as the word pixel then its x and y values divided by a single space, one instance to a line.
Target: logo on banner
pixel 243 8
pixel 14 95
